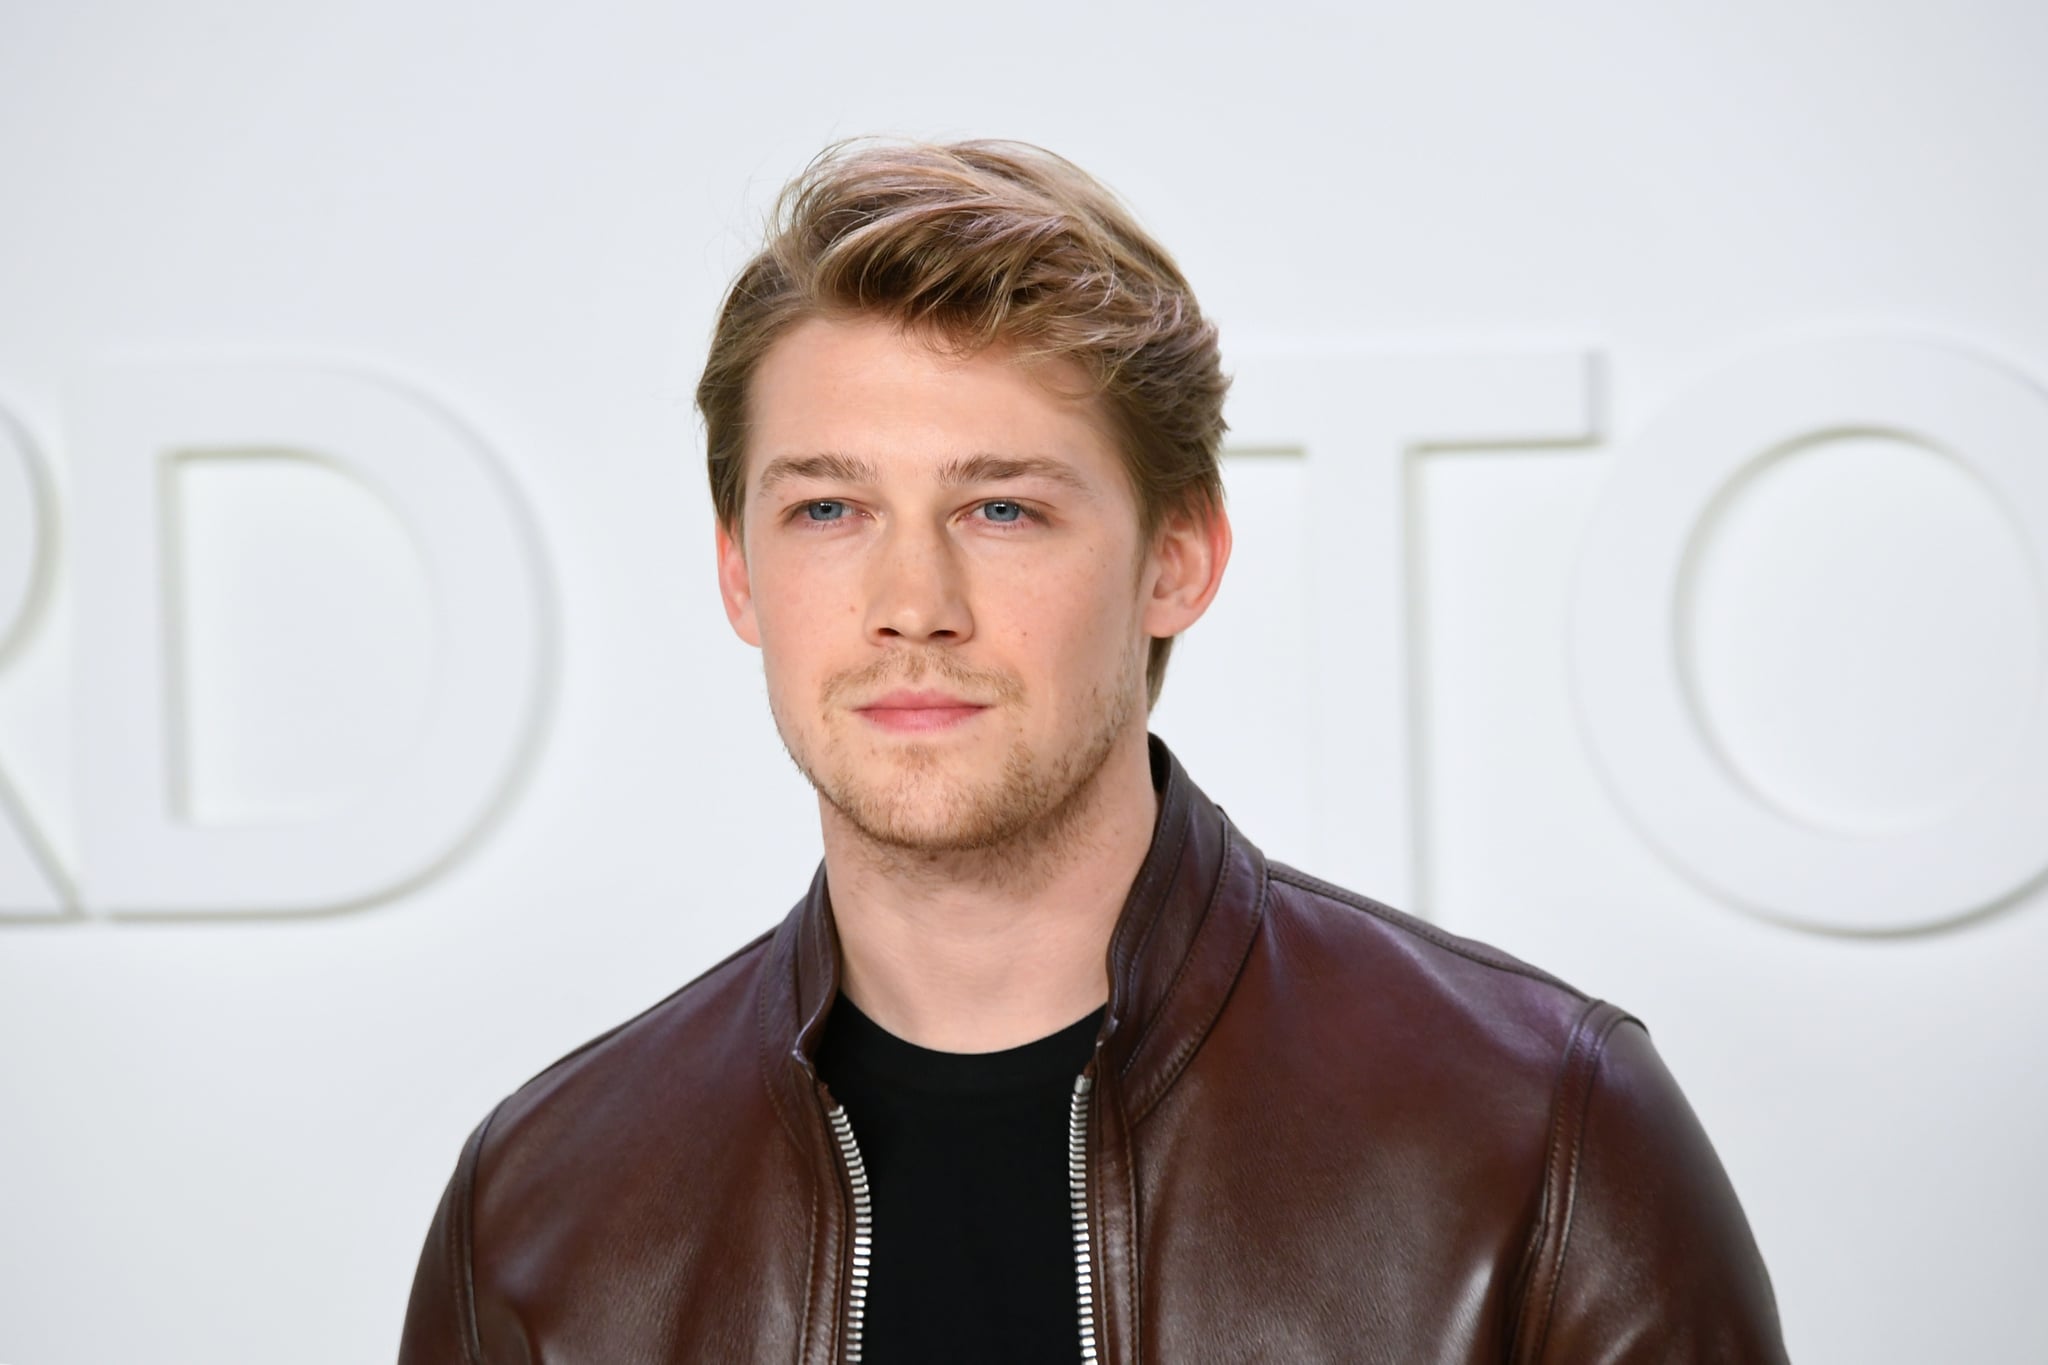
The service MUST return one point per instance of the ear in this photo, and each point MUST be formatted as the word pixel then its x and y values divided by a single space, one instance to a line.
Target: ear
pixel 1188 554
pixel 736 587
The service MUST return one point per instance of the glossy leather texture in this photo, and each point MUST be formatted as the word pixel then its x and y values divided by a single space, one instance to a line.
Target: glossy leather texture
pixel 1324 1131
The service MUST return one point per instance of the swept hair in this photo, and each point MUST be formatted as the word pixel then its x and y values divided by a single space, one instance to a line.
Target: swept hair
pixel 973 244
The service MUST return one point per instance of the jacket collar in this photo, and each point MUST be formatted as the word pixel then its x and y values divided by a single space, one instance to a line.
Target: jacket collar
pixel 1178 943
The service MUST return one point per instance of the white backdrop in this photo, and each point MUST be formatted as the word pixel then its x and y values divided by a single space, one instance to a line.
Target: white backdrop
pixel 1641 482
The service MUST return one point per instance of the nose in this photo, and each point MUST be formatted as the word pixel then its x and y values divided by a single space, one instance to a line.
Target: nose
pixel 917 589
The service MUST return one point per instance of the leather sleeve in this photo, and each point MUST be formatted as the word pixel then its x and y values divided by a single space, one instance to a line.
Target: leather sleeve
pixel 1644 1254
pixel 440 1321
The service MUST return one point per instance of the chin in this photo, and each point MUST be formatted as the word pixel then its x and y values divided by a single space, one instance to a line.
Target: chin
pixel 921 808
pixel 923 800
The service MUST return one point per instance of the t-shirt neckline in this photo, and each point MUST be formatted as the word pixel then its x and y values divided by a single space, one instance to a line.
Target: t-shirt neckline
pixel 863 1046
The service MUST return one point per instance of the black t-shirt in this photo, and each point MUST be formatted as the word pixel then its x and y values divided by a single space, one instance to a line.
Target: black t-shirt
pixel 966 1156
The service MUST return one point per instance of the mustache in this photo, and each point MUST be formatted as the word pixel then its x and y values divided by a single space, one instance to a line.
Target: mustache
pixel 987 686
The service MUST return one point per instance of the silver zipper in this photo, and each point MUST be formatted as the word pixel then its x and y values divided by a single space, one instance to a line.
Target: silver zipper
pixel 863 1229
pixel 864 1220
pixel 1077 1193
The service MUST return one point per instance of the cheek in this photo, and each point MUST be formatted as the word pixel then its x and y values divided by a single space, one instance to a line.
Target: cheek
pixel 795 609
pixel 1074 623
pixel 790 655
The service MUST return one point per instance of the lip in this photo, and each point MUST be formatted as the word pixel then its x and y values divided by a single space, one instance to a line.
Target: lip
pixel 905 700
pixel 905 711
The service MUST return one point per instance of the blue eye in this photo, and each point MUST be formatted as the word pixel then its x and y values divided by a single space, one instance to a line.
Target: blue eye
pixel 1003 513
pixel 825 509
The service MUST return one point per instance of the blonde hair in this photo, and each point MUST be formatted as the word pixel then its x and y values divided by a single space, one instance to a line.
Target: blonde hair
pixel 974 244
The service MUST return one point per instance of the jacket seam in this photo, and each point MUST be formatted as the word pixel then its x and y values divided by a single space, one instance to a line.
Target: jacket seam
pixel 1574 1101
pixel 1178 1060
pixel 1215 893
pixel 1133 1292
pixel 803 1331
pixel 1539 1233
pixel 1415 928
pixel 1536 1265
pixel 464 1250
pixel 1165 881
pixel 784 1115
pixel 766 1048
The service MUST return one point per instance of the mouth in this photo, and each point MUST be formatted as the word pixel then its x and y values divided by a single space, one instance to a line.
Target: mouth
pixel 906 712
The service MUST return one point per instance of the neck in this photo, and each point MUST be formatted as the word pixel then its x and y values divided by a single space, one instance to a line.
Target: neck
pixel 989 949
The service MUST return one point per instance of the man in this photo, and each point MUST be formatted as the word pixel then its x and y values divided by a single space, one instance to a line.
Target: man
pixel 1050 1063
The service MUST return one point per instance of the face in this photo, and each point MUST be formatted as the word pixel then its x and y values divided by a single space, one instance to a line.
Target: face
pixel 942 566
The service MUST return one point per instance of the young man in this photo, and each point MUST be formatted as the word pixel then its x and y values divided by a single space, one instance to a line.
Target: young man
pixel 1050 1063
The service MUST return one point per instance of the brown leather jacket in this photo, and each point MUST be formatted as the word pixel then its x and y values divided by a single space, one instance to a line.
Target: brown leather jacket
pixel 1318 1130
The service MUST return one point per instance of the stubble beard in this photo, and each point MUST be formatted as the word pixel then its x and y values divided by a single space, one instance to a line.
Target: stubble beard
pixel 915 813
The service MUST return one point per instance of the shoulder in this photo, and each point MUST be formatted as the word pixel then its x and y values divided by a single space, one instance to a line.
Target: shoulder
pixel 1465 1007
pixel 1304 894
pixel 668 1110
pixel 1541 1114
pixel 646 1109
pixel 685 1051
pixel 1421 971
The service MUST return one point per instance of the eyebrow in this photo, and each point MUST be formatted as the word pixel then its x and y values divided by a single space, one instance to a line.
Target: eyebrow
pixel 840 468
pixel 995 468
pixel 968 469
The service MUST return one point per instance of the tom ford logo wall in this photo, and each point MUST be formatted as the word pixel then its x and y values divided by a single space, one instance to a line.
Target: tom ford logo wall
pixel 484 569
pixel 1354 416
pixel 1356 419
pixel 1633 700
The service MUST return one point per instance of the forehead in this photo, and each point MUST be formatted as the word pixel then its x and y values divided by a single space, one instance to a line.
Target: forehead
pixel 864 389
